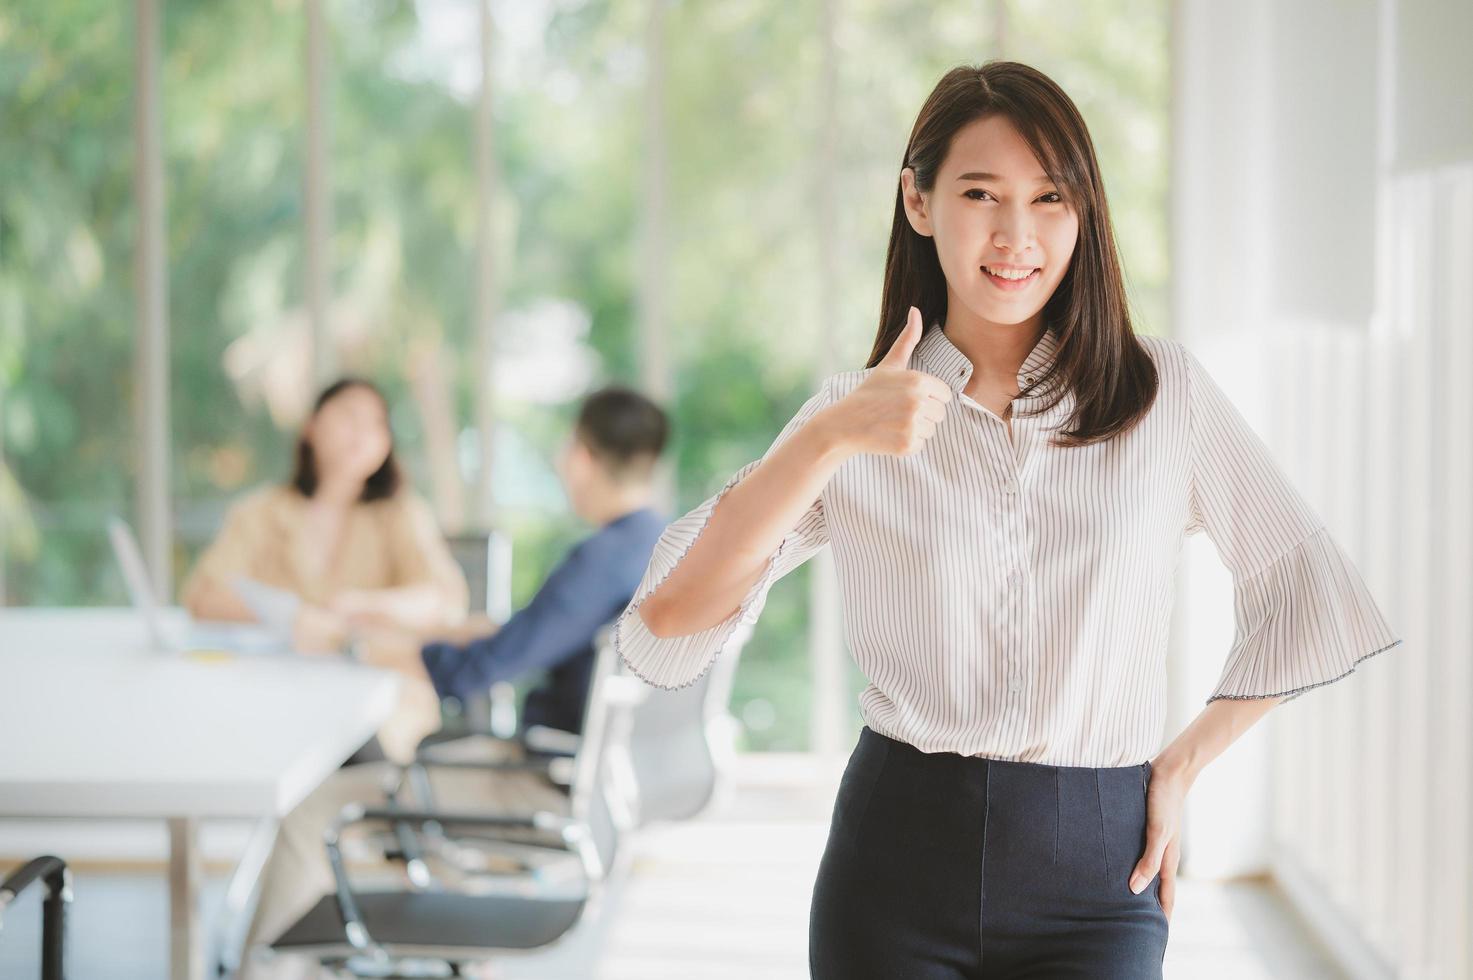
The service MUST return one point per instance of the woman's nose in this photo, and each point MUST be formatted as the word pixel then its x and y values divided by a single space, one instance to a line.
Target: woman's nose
pixel 1013 230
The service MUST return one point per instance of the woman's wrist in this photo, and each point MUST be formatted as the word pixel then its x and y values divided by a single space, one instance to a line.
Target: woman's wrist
pixel 827 436
pixel 1177 761
pixel 1218 726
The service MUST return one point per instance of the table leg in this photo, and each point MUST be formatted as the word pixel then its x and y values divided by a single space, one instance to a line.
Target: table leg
pixel 185 959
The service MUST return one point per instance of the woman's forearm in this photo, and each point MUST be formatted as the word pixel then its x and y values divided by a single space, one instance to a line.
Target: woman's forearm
pixel 393 648
pixel 422 606
pixel 209 599
pixel 743 530
pixel 1219 725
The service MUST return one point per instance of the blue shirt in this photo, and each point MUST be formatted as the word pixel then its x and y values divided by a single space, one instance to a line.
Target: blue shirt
pixel 555 631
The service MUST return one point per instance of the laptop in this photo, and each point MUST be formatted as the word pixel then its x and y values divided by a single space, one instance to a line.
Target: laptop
pixel 275 608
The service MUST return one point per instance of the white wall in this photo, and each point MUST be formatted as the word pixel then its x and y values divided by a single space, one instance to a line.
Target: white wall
pixel 1323 254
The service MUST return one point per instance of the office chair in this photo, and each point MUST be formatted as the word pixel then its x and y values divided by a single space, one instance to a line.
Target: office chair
pixel 458 918
pixel 557 763
pixel 52 872
pixel 683 741
pixel 680 748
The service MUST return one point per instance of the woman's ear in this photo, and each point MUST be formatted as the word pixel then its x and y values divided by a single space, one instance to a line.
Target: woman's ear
pixel 915 203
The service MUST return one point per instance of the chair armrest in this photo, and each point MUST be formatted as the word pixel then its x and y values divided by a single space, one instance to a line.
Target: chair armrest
pixel 489 765
pixel 566 827
pixel 448 733
pixel 557 769
pixel 57 878
pixel 538 742
pixel 551 741
pixel 51 870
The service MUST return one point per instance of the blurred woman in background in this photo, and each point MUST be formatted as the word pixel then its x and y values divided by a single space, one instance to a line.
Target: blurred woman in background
pixel 359 548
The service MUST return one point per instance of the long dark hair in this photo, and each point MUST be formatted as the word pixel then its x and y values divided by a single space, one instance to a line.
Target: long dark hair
pixel 1099 359
pixel 384 482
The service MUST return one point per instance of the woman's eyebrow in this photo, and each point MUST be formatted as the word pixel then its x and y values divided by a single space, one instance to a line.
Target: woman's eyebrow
pixel 1040 179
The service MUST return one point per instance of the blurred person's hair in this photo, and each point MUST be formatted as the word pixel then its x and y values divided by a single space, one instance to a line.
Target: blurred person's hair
pixel 382 484
pixel 1112 377
pixel 624 431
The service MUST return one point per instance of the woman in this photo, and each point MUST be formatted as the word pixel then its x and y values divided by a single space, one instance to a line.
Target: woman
pixel 1006 486
pixel 361 551
pixel 343 535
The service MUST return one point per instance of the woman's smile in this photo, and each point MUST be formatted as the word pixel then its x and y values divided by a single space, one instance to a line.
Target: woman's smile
pixel 1013 280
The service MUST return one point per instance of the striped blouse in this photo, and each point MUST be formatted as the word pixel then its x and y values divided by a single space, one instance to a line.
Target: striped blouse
pixel 1011 599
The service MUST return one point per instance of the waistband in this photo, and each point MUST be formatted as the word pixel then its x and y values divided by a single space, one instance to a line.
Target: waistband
pixel 954 760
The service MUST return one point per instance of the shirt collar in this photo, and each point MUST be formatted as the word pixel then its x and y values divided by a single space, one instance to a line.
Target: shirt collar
pixel 945 360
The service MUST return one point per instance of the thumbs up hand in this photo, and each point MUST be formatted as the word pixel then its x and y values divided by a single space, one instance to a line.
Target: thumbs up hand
pixel 905 342
pixel 895 410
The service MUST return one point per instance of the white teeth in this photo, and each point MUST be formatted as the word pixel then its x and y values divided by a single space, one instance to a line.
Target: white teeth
pixel 1011 273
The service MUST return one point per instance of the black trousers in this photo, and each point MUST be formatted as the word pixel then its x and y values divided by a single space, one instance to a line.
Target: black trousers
pixel 940 866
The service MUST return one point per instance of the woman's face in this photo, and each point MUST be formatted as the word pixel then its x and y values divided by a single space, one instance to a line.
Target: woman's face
pixel 350 435
pixel 992 206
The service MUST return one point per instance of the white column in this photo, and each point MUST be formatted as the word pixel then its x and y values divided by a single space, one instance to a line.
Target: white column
pixel 653 250
pixel 831 701
pixel 151 310
pixel 3 478
pixel 317 196
pixel 483 506
pixel 999 28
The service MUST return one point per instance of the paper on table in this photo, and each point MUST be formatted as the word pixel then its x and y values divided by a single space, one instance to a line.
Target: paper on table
pixel 275 608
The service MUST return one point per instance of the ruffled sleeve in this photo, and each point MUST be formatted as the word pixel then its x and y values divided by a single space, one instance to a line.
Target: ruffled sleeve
pixel 1303 616
pixel 678 661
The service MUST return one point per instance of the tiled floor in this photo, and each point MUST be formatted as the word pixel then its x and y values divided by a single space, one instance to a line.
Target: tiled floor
pixel 723 897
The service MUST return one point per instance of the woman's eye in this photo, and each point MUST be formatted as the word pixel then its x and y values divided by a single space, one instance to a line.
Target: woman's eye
pixel 1056 199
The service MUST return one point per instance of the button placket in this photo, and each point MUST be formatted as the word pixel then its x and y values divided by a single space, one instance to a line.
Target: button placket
pixel 1017 598
pixel 1018 603
pixel 1008 505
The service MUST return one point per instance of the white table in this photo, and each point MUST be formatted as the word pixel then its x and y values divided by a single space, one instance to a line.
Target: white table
pixel 94 725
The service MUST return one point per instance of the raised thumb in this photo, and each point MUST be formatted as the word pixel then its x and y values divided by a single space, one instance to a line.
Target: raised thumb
pixel 905 342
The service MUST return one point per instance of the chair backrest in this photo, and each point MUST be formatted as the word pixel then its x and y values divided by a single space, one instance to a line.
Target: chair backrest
pixel 680 740
pixel 485 559
pixel 601 788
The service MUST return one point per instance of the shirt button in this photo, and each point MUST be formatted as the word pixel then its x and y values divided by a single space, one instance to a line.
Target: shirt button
pixel 1028 380
pixel 1010 487
pixel 1014 576
pixel 1015 685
